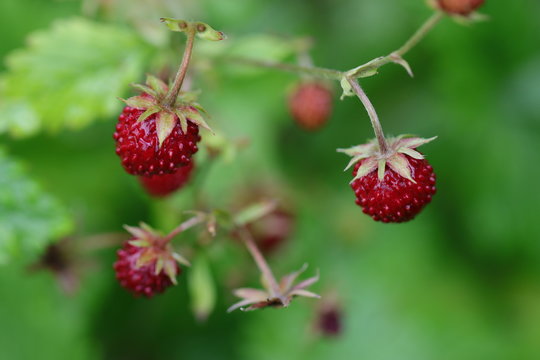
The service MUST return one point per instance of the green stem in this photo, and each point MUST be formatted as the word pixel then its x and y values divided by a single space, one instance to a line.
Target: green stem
pixel 263 266
pixel 409 44
pixel 182 227
pixel 182 70
pixel 359 71
pixel 377 128
pixel 299 69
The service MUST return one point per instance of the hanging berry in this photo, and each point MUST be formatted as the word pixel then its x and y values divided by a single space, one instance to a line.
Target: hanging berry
pixel 158 130
pixel 310 105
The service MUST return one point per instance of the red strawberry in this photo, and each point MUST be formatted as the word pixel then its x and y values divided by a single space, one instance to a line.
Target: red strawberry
pixel 163 185
pixel 459 7
pixel 154 137
pixel 397 192
pixel 146 264
pixel 311 105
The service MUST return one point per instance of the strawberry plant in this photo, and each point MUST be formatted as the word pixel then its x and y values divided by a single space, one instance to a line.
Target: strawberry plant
pixel 221 146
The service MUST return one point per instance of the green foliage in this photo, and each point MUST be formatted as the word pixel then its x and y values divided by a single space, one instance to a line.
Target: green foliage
pixel 68 76
pixel 29 218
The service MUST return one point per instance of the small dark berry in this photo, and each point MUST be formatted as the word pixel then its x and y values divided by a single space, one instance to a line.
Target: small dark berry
pixel 329 321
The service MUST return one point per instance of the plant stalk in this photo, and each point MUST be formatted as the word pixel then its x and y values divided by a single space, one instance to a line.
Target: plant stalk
pixel 375 123
pixel 263 266
pixel 182 70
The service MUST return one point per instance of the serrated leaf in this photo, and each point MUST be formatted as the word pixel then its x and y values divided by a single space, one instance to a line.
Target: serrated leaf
pixel 201 288
pixel 164 125
pixel 30 219
pixel 68 76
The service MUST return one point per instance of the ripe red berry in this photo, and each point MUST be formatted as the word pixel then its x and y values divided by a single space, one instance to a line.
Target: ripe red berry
pixel 140 280
pixel 138 146
pixel 164 185
pixel 392 185
pixel 155 134
pixel 311 105
pixel 459 7
pixel 395 199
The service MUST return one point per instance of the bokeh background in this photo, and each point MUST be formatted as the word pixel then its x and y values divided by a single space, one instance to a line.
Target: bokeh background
pixel 461 281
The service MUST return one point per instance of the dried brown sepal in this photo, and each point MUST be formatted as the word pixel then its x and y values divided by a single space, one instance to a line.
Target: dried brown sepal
pixel 253 299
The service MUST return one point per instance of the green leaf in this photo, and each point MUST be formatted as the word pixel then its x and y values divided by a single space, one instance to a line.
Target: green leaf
pixel 201 288
pixel 68 76
pixel 29 218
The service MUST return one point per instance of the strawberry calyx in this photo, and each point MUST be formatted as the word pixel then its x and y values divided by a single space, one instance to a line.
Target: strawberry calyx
pixel 153 101
pixel 156 250
pixel 394 156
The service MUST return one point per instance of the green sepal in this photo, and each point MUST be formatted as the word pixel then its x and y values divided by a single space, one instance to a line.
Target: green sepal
pixel 158 85
pixel 203 30
pixel 195 117
pixel 175 24
pixel 140 102
pixel 183 120
pixel 144 89
pixel 149 112
pixel 165 123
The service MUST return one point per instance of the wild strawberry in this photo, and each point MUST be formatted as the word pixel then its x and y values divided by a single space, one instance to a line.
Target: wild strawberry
pixel 311 105
pixel 164 185
pixel 146 264
pixel 393 193
pixel 154 136
pixel 459 7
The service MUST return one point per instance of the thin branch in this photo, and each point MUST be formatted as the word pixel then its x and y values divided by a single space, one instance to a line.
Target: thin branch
pixel 372 114
pixel 409 44
pixel 183 226
pixel 182 70
pixel 299 69
pixel 247 238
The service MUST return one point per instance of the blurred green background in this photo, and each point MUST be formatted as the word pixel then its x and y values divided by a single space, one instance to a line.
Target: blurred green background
pixel 462 281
